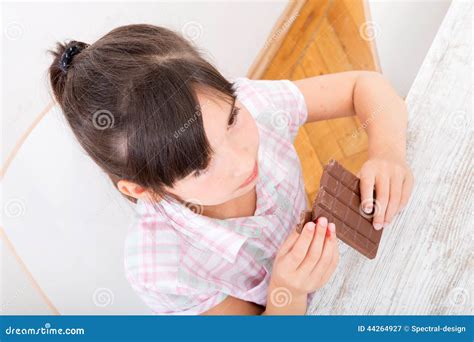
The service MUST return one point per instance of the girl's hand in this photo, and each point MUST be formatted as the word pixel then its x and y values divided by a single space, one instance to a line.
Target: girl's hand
pixel 306 261
pixel 393 181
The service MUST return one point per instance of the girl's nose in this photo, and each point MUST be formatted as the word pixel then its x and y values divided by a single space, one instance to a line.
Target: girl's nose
pixel 241 161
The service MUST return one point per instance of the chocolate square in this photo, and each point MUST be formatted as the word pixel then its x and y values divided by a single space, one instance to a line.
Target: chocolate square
pixel 339 200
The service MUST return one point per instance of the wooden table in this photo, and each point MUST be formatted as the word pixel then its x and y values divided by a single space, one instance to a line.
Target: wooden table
pixel 425 261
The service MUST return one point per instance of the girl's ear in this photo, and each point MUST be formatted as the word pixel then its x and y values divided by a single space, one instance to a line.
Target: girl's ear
pixel 131 189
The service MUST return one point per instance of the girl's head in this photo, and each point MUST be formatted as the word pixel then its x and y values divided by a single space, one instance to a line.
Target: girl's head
pixel 156 116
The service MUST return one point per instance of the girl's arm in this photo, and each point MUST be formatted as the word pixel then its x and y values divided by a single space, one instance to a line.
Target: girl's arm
pixel 383 114
pixel 235 306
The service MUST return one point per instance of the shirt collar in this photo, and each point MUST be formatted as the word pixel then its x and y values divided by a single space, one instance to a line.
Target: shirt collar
pixel 201 231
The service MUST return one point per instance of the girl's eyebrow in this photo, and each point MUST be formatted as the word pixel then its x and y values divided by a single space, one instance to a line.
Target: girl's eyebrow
pixel 231 111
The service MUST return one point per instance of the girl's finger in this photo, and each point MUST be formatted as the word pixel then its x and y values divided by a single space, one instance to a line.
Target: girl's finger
pixel 298 252
pixel 382 188
pixel 326 256
pixel 316 248
pixel 406 191
pixel 367 182
pixel 396 184
pixel 332 265
pixel 288 243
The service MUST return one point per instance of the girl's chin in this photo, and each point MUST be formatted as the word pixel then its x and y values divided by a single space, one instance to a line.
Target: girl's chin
pixel 236 194
pixel 246 189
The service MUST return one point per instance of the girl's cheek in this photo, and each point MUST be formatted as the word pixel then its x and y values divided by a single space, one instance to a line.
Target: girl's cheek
pixel 248 127
pixel 253 129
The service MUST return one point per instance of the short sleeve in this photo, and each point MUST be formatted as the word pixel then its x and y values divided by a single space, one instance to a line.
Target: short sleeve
pixel 151 265
pixel 169 302
pixel 280 105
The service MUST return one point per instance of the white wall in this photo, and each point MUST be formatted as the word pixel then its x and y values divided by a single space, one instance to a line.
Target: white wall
pixel 404 30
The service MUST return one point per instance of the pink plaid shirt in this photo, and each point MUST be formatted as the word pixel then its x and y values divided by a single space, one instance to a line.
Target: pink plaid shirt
pixel 180 262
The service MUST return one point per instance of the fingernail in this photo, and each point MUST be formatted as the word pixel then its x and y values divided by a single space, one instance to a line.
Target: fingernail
pixel 368 209
pixel 332 227
pixel 310 226
pixel 323 222
pixel 385 224
pixel 378 226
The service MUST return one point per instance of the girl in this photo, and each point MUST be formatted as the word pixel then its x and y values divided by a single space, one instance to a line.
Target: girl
pixel 213 171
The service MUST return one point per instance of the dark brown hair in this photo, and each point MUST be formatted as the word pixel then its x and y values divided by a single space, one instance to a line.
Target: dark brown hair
pixel 130 99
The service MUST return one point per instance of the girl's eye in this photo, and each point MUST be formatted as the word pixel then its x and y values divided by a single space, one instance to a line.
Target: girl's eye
pixel 199 173
pixel 232 121
pixel 233 117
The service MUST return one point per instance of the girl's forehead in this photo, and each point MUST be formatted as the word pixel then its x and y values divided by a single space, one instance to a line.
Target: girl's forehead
pixel 215 116
pixel 213 104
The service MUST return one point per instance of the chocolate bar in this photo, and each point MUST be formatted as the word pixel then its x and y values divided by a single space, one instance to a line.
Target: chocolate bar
pixel 339 201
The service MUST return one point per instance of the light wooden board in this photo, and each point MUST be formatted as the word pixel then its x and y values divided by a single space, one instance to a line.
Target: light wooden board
pixel 325 38
pixel 426 257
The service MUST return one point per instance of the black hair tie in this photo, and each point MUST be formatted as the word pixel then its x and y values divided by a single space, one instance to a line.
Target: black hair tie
pixel 68 54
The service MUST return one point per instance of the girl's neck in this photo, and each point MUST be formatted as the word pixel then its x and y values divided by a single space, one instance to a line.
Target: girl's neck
pixel 242 206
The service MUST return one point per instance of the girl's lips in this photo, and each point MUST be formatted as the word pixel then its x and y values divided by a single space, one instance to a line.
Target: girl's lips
pixel 251 177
